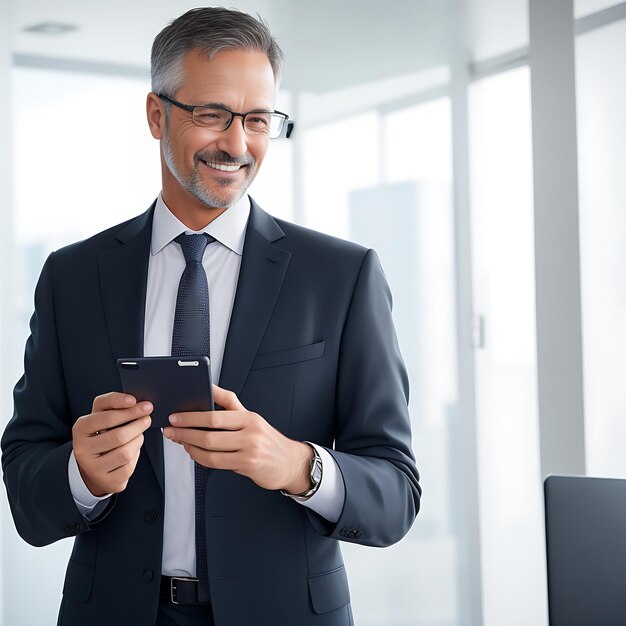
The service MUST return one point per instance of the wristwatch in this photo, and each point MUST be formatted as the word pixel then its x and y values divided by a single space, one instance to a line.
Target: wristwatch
pixel 316 471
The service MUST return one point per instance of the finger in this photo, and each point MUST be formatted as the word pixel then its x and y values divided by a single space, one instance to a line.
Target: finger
pixel 112 400
pixel 129 466
pixel 221 420
pixel 222 441
pixel 214 460
pixel 105 420
pixel 119 457
pixel 117 437
pixel 227 399
pixel 119 477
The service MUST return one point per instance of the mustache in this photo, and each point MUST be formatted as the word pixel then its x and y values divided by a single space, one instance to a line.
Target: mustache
pixel 219 156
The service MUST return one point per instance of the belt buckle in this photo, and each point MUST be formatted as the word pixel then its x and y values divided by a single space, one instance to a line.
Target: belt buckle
pixel 175 579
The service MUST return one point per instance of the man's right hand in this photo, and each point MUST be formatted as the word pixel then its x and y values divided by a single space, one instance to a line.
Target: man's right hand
pixel 107 442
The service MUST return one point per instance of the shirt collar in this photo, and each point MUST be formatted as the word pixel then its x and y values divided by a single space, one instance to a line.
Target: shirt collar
pixel 229 228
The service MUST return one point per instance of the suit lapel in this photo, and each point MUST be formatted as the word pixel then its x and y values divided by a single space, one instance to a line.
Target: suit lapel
pixel 123 280
pixel 263 268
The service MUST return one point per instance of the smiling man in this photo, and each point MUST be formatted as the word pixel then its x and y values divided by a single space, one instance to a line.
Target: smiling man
pixel 214 166
pixel 230 517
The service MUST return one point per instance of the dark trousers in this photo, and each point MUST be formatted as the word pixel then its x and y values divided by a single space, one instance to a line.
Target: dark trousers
pixel 175 615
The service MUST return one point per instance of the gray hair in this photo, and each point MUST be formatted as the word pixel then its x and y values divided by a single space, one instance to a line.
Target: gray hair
pixel 209 29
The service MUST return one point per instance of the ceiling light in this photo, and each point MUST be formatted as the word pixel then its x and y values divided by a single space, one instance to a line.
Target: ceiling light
pixel 50 28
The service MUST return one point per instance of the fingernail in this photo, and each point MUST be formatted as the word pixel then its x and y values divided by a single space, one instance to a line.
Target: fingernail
pixel 174 419
pixel 129 400
pixel 147 407
pixel 168 432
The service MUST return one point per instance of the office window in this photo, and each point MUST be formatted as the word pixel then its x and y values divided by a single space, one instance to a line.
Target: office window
pixel 417 161
pixel 496 27
pixel 511 511
pixel 385 181
pixel 601 102
pixel 338 157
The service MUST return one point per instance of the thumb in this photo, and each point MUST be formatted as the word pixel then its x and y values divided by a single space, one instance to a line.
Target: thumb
pixel 226 399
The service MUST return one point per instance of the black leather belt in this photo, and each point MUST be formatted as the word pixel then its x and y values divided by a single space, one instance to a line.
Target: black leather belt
pixel 185 591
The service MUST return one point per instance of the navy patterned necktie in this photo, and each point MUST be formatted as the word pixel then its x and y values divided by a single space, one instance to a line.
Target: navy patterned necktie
pixel 191 337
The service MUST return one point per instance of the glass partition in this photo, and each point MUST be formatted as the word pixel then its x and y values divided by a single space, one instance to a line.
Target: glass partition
pixel 601 102
pixel 511 506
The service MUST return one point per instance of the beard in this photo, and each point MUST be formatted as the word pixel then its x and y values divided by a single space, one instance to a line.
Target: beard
pixel 197 186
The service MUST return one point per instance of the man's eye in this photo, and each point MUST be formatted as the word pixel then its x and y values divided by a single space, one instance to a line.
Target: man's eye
pixel 259 121
pixel 210 115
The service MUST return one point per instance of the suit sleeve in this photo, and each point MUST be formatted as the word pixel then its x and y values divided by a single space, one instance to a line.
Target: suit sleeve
pixel 373 434
pixel 37 442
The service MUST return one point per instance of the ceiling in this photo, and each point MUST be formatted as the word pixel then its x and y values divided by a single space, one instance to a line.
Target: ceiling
pixel 329 44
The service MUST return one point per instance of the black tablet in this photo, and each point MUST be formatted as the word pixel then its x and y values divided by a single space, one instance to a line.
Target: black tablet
pixel 173 384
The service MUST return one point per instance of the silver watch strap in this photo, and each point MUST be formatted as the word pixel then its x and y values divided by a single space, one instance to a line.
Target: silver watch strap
pixel 316 462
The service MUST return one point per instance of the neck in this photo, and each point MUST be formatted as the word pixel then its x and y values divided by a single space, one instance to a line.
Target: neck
pixel 194 214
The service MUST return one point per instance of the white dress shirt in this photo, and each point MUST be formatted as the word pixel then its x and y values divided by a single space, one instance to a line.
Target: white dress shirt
pixel 221 261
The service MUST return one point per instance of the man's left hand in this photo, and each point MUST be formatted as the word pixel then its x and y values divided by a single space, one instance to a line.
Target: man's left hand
pixel 244 443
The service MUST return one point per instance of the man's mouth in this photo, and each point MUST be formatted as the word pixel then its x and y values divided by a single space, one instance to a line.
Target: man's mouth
pixel 223 167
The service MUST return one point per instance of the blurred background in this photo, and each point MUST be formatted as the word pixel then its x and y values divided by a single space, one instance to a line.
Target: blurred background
pixel 480 147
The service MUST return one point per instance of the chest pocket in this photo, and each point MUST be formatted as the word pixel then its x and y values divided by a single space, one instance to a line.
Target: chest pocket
pixel 269 388
pixel 289 356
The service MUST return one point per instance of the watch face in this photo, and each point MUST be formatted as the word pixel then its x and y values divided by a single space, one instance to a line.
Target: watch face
pixel 316 471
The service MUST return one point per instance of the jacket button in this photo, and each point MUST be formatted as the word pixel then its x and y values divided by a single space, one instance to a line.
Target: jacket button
pixel 350 534
pixel 343 532
pixel 357 534
pixel 148 575
pixel 150 515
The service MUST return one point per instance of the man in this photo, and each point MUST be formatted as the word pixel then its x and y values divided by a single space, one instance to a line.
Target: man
pixel 312 446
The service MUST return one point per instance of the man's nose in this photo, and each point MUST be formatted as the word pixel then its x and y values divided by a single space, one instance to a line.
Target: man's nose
pixel 234 139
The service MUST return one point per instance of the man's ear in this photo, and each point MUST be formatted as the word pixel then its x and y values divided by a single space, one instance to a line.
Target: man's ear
pixel 155 111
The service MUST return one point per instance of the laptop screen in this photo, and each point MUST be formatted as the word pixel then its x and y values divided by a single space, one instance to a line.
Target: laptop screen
pixel 586 550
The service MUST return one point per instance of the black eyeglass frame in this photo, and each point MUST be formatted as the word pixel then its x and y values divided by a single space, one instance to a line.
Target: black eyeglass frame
pixel 233 114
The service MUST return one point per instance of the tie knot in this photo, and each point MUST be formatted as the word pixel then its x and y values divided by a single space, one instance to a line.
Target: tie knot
pixel 193 246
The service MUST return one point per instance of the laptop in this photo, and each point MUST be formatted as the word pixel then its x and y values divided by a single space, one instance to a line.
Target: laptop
pixel 586 550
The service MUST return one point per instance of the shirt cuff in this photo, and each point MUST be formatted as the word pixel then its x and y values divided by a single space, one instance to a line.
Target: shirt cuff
pixel 330 496
pixel 89 505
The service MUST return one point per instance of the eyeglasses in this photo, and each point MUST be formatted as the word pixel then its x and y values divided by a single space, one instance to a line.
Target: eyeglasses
pixel 219 118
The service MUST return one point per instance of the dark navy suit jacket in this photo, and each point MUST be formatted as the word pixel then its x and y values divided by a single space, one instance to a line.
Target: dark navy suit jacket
pixel 311 347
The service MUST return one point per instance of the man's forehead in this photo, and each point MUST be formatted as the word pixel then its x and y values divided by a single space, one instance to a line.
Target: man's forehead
pixel 227 59
pixel 232 70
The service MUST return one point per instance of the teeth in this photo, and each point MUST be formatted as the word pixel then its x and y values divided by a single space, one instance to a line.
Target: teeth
pixel 224 168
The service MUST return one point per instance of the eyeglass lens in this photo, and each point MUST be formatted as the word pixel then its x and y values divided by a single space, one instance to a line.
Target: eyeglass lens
pixel 219 119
